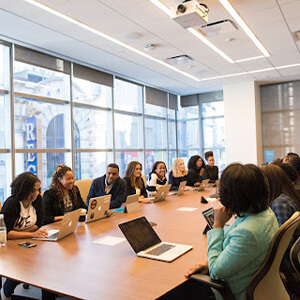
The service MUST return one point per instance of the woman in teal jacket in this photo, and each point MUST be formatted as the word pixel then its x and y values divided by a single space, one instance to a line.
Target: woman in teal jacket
pixel 235 255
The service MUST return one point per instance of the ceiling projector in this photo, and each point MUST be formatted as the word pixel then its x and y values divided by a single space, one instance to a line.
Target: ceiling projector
pixel 190 14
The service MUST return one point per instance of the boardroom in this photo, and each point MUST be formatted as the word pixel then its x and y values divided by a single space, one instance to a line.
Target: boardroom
pixel 91 83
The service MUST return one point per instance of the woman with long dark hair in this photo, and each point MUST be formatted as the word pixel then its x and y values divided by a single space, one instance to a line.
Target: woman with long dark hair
pixel 63 196
pixel 196 168
pixel 134 181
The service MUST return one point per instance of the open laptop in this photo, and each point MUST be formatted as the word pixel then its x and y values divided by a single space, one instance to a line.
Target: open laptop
pixel 98 208
pixel 68 225
pixel 180 189
pixel 216 194
pixel 131 204
pixel 161 193
pixel 146 243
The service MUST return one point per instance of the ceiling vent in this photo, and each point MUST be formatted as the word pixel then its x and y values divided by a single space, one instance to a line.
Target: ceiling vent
pixel 219 27
pixel 179 60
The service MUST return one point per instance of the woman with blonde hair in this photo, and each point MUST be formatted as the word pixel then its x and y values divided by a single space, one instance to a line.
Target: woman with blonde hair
pixel 63 196
pixel 134 181
pixel 177 174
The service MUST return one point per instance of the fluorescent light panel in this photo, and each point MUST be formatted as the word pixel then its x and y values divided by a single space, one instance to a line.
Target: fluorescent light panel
pixel 198 35
pixel 161 6
pixel 105 36
pixel 244 26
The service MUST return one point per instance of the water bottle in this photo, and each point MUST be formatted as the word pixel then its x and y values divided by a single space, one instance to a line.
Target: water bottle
pixel 2 231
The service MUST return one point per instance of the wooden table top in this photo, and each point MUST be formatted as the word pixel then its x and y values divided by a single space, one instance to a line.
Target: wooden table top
pixel 79 268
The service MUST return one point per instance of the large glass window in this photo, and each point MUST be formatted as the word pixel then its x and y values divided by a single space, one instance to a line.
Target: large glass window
pixel 128 96
pixel 280 119
pixel 212 120
pixel 39 81
pixel 124 158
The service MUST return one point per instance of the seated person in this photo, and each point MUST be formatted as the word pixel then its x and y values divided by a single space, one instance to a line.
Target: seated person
pixel 211 171
pixel 295 163
pixel 178 174
pixel 196 168
pixel 235 255
pixel 109 184
pixel 284 201
pixel 63 196
pixel 157 177
pixel 134 181
pixel 23 216
pixel 290 156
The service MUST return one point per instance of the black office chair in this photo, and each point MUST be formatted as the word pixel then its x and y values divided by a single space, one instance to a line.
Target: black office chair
pixel 266 282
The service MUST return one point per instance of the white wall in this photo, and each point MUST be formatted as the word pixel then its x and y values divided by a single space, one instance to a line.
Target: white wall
pixel 242 123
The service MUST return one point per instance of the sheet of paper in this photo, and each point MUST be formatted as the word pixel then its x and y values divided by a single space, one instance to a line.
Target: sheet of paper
pixel 110 240
pixel 187 209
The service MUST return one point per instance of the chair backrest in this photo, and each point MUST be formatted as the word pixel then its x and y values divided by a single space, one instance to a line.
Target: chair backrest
pixel 84 186
pixel 266 282
pixel 295 256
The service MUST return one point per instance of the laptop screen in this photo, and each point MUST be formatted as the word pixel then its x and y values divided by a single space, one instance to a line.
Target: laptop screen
pixel 140 234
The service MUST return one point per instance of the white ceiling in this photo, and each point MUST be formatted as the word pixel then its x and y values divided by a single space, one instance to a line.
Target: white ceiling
pixel 274 22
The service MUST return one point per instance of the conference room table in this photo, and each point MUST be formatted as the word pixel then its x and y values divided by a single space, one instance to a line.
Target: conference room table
pixel 78 267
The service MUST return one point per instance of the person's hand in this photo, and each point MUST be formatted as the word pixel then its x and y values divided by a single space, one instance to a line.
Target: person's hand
pixel 221 216
pixel 197 184
pixel 201 268
pixel 142 199
pixel 202 171
pixel 108 213
pixel 40 233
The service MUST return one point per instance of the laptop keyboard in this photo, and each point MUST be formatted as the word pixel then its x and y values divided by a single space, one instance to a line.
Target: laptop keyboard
pixel 160 249
pixel 53 236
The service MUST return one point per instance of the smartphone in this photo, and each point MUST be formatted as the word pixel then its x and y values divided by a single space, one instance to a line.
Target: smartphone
pixel 27 244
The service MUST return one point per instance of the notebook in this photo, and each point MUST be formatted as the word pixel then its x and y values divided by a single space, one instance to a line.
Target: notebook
pixel 146 243
pixel 161 193
pixel 131 204
pixel 98 208
pixel 68 225
pixel 180 189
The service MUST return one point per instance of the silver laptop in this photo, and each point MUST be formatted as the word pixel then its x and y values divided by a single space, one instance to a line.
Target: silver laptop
pixel 216 194
pixel 180 189
pixel 68 225
pixel 203 185
pixel 131 204
pixel 98 208
pixel 161 193
pixel 146 243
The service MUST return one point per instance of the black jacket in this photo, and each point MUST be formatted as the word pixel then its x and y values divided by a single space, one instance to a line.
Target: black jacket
pixel 130 190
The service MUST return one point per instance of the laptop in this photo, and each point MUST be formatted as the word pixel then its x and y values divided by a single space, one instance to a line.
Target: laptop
pixel 146 243
pixel 161 193
pixel 131 204
pixel 216 194
pixel 180 189
pixel 68 225
pixel 203 185
pixel 98 208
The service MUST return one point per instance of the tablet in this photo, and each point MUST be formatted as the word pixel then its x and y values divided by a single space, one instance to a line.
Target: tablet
pixel 209 217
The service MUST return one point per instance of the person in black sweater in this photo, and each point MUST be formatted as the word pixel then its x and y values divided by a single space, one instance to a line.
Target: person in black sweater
pixel 23 216
pixel 134 181
pixel 63 196
pixel 196 169
pixel 211 171
pixel 178 174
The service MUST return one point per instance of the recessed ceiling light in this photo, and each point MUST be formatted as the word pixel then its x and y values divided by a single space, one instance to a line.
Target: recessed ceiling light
pixel 134 36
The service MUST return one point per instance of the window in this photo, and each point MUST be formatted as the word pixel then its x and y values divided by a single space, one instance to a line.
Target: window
pixel 212 119
pixel 280 107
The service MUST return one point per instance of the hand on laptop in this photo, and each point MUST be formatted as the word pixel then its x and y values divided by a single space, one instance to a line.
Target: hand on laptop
pixel 40 233
pixel 142 199
pixel 201 268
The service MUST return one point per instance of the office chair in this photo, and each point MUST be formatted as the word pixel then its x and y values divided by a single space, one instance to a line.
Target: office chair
pixel 84 186
pixel 266 283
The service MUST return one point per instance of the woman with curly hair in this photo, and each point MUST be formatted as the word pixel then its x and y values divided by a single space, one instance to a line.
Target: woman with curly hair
pixel 23 215
pixel 157 177
pixel 177 174
pixel 134 181
pixel 63 196
pixel 196 169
